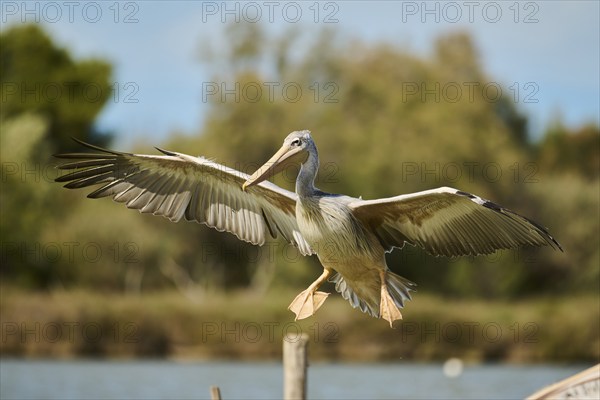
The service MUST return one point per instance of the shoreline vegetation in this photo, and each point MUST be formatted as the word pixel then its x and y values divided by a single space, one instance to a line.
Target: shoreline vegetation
pixel 247 326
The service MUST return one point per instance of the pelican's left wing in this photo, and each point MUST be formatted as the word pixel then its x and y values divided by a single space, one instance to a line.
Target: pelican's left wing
pixel 448 222
pixel 176 185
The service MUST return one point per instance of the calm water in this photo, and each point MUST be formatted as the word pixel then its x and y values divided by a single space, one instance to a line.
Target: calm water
pixel 20 379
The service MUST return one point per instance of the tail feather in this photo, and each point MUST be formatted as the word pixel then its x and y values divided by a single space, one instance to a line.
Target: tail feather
pixel 348 294
pixel 399 289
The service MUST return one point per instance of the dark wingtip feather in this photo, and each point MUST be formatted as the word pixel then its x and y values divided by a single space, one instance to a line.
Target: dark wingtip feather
pixel 543 231
pixel 88 155
pixel 85 173
pixel 87 165
pixel 98 148
pixel 554 241
pixel 166 152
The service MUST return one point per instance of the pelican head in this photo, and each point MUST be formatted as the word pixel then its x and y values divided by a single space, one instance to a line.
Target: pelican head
pixel 295 150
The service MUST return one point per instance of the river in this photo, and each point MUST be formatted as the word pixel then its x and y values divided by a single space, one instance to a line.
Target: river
pixel 27 379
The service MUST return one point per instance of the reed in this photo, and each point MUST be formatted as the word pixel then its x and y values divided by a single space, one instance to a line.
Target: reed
pixel 244 325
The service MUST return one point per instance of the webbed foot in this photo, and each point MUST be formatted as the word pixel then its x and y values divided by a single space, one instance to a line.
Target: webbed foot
pixel 388 310
pixel 307 303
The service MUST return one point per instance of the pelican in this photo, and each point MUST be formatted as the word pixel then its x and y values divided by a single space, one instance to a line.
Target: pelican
pixel 350 236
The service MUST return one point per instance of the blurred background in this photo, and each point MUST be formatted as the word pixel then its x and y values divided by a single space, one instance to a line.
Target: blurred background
pixel 495 98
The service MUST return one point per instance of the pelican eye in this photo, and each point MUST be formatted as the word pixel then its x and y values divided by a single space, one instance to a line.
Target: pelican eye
pixel 296 142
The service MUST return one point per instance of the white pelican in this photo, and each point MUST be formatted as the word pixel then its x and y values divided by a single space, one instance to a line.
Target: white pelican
pixel 350 236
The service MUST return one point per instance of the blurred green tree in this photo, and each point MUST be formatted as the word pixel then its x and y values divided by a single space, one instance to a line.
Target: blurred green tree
pixel 46 98
pixel 42 78
pixel 576 151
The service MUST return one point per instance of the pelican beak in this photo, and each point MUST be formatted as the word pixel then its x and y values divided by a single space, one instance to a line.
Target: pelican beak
pixel 285 156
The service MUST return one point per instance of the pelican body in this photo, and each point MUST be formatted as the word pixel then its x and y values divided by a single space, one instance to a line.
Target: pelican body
pixel 350 236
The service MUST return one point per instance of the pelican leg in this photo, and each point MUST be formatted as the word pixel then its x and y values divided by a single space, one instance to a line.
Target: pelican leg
pixel 309 301
pixel 388 310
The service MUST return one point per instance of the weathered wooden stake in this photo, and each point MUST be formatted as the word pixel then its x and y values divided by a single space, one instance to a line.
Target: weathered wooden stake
pixel 295 361
pixel 215 393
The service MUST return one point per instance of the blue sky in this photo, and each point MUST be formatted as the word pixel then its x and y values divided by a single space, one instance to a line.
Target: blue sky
pixel 154 47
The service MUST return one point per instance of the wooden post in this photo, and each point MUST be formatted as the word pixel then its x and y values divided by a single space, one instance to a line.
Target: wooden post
pixel 215 393
pixel 294 366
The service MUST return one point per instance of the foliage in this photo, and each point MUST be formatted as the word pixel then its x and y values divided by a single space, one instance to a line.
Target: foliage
pixel 386 121
pixel 241 325
pixel 42 78
pixel 576 153
pixel 47 98
pixel 24 200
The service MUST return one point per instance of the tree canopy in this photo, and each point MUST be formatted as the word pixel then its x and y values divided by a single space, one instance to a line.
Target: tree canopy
pixel 386 121
pixel 42 78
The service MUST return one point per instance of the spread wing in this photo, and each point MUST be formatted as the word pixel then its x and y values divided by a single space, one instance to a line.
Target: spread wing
pixel 176 185
pixel 449 222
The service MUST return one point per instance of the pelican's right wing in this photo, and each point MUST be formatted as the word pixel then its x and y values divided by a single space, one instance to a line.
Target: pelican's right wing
pixel 177 185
